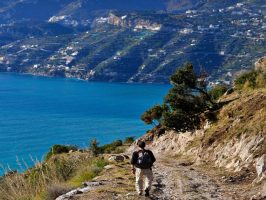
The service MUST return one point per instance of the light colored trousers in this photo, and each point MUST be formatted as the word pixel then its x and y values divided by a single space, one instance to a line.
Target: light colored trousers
pixel 147 173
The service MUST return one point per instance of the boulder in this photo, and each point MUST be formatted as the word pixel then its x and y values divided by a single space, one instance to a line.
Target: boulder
pixel 229 91
pixel 258 196
pixel 260 65
pixel 261 167
pixel 92 184
pixel 238 119
pixel 117 158
pixel 108 166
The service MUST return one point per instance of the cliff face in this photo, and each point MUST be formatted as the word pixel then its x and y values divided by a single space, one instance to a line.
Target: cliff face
pixel 136 23
pixel 235 156
pixel 118 21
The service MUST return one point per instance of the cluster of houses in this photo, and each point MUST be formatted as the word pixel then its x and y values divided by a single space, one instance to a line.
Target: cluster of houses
pixel 251 16
pixel 8 59
pixel 68 21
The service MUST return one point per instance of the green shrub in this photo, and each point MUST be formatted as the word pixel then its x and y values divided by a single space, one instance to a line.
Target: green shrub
pixel 217 91
pixel 57 149
pixel 95 150
pixel 108 148
pixel 118 151
pixel 129 140
pixel 99 162
pixel 249 77
pixel 87 174
pixel 117 143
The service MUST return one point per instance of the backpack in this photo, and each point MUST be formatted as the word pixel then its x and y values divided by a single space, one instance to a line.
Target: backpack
pixel 144 159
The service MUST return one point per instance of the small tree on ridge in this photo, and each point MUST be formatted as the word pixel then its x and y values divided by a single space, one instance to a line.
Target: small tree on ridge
pixel 184 103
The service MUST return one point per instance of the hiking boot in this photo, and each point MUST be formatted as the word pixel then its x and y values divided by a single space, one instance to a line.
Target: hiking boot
pixel 147 193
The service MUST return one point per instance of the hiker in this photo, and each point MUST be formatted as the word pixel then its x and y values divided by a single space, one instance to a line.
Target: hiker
pixel 141 163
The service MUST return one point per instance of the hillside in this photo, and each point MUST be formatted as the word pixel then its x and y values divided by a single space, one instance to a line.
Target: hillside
pixel 108 41
pixel 224 39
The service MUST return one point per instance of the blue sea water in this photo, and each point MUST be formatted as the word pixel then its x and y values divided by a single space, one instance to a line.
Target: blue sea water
pixel 37 112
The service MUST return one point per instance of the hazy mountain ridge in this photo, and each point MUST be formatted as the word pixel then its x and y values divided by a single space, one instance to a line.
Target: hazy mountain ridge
pixel 78 9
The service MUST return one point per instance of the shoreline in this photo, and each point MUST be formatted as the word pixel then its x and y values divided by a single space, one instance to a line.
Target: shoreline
pixel 84 80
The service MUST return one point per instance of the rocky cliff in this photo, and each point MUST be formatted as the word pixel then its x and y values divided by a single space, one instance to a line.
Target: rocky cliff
pixel 136 23
pixel 234 141
pixel 261 64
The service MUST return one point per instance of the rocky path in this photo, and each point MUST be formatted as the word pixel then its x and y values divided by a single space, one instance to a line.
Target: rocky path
pixel 177 180
pixel 174 179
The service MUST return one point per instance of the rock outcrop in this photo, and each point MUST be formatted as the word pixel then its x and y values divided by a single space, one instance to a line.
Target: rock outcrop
pixel 136 23
pixel 235 155
pixel 260 65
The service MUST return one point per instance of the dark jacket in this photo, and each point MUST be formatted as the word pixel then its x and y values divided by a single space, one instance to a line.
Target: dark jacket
pixel 134 159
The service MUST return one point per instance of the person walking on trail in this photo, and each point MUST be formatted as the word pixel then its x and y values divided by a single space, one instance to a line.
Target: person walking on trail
pixel 141 163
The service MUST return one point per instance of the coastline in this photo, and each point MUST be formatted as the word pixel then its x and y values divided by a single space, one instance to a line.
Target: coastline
pixel 86 79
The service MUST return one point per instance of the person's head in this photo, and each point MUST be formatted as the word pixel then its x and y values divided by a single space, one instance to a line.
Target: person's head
pixel 141 144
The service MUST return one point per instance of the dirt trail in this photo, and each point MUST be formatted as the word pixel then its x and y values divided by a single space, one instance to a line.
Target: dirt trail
pixel 178 180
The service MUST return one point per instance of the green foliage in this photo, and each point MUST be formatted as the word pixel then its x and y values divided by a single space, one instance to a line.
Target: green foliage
pixel 57 149
pixel 129 140
pixel 217 91
pixel 56 29
pixel 252 79
pixel 50 179
pixel 94 147
pixel 99 162
pixel 154 114
pixel 184 103
pixel 108 148
pixel 249 77
pixel 87 174
pixel 187 99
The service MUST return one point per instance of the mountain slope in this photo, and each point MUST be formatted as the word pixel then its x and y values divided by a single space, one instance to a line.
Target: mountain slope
pixel 135 46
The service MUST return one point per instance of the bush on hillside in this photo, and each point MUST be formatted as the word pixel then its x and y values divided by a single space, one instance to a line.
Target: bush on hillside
pixel 249 77
pixel 57 149
pixel 94 148
pixel 252 79
pixel 129 140
pixel 217 91
pixel 108 148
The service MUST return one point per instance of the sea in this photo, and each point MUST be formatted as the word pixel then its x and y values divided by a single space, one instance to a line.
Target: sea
pixel 37 112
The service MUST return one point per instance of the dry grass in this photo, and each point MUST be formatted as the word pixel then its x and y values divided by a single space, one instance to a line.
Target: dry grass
pixel 49 179
pixel 118 182
pixel 55 191
pixel 251 105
